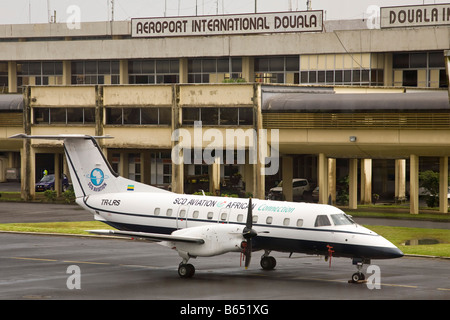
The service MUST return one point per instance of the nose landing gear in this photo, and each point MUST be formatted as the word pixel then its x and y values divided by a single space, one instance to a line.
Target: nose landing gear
pixel 359 277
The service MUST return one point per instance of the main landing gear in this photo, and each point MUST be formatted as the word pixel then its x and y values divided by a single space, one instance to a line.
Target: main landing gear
pixel 186 270
pixel 267 262
pixel 358 277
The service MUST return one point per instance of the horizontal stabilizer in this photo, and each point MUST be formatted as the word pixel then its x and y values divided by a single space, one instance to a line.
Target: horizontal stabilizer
pixel 148 236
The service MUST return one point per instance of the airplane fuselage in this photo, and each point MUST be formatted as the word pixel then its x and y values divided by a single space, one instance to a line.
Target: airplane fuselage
pixel 281 226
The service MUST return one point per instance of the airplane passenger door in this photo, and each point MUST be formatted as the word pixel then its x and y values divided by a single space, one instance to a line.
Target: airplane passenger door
pixel 182 216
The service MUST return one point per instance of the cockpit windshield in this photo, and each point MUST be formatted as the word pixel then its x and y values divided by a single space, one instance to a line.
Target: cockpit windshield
pixel 341 219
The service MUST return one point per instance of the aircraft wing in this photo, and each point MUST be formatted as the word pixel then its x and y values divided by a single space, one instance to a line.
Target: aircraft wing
pixel 149 236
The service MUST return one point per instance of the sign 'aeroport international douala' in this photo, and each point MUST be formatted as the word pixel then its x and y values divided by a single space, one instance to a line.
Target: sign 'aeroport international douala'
pixel 299 21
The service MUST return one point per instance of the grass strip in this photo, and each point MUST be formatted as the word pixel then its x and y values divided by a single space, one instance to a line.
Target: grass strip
pixel 77 227
pixel 400 235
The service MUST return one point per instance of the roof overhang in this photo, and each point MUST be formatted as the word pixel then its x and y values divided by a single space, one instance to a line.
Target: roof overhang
pixel 11 102
pixel 330 102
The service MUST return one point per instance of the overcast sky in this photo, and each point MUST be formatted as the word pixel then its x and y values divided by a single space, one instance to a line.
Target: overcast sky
pixel 36 11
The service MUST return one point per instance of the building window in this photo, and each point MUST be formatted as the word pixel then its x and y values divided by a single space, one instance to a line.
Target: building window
pixel 225 116
pixel 139 116
pixel 153 71
pixel 95 72
pixel 3 77
pixel 342 69
pixel 134 166
pixel 81 116
pixel 214 70
pixel 419 69
pixel 39 73
pixel 277 69
pixel 160 168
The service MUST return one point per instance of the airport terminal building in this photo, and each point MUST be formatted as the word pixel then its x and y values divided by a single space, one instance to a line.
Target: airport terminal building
pixel 245 100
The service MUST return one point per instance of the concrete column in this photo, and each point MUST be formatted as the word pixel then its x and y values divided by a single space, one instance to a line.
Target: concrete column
pixel 447 67
pixel 177 166
pixel 259 167
pixel 323 178
pixel 353 184
pixel 123 165
pixel 214 177
pixel 248 174
pixel 388 63
pixel 332 179
pixel 248 69
pixel 414 184
pixel 443 184
pixel 58 185
pixel 145 166
pixel 67 72
pixel 183 70
pixel 287 176
pixel 66 170
pixel 12 76
pixel 400 180
pixel 30 170
pixel 366 181
pixel 123 72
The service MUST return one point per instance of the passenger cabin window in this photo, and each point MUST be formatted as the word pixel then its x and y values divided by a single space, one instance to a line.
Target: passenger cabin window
pixel 341 219
pixel 223 216
pixel 322 221
pixel 300 223
pixel 240 217
pixel 156 212
pixel 286 221
pixel 169 212
pixel 269 220
pixel 182 213
pixel 210 215
pixel 195 214
pixel 255 219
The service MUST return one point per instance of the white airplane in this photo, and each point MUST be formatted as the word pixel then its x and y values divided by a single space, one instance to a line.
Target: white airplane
pixel 205 226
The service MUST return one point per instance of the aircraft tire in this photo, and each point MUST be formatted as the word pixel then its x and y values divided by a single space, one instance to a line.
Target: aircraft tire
pixel 186 270
pixel 358 276
pixel 268 263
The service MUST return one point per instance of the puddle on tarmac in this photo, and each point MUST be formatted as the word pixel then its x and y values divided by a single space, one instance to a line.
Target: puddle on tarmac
pixel 416 242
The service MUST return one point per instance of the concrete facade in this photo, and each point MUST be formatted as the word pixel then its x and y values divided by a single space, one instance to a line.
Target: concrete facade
pixel 143 143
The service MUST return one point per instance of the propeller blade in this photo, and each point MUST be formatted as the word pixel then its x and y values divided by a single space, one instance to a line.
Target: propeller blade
pixel 248 253
pixel 249 223
pixel 248 233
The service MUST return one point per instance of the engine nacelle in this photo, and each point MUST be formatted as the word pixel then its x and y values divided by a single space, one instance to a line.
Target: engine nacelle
pixel 219 239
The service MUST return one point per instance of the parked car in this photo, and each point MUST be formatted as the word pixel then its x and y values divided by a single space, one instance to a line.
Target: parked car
pixel 315 194
pixel 299 187
pixel 48 183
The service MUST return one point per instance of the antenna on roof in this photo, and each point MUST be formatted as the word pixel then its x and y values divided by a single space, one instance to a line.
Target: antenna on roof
pixel 110 4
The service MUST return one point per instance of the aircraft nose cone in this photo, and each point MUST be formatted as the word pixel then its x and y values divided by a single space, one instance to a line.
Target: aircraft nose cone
pixel 394 253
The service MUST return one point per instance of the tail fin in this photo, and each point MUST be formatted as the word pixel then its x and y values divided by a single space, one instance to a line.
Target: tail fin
pixel 90 171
